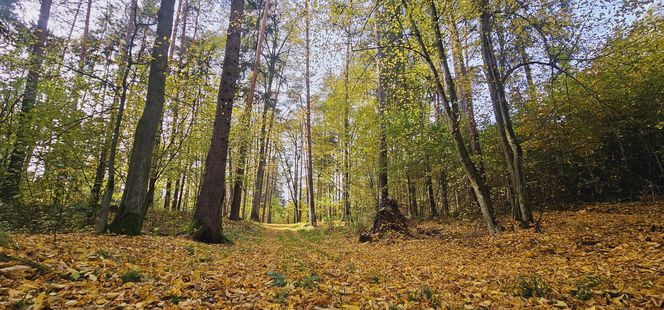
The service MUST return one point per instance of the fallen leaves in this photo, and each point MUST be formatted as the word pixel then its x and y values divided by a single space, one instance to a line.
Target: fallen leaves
pixel 455 265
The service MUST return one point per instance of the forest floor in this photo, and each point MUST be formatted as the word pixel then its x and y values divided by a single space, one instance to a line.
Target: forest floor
pixel 596 256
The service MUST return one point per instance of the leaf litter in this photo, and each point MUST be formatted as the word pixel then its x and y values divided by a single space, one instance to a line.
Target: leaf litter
pixel 598 256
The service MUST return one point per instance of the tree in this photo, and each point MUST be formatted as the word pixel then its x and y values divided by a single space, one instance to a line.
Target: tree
pixel 508 140
pixel 10 185
pixel 207 213
pixel 382 138
pixel 245 123
pixel 451 112
pixel 307 81
pixel 129 219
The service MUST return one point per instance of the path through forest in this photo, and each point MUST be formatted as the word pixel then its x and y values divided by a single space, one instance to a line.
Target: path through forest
pixel 598 255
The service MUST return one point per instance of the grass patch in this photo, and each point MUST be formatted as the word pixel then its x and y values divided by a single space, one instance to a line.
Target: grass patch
pixel 531 286
pixel 584 286
pixel 425 294
pixel 131 276
pixel 309 281
pixel 104 254
pixel 190 250
pixel 244 231
pixel 278 280
pixel 6 239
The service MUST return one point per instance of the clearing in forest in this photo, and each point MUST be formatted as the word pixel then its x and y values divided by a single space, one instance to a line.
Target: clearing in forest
pixel 596 256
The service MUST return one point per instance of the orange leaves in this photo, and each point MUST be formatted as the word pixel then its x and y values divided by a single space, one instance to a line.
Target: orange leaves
pixel 601 256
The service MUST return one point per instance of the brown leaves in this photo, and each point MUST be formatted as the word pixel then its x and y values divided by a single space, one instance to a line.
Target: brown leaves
pixel 459 267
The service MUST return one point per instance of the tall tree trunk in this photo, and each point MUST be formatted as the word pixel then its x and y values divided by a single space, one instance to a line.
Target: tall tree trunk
pixel 508 140
pixel 124 81
pixel 245 123
pixel 307 81
pixel 176 195
pixel 346 185
pixel 100 171
pixel 131 213
pixel 380 91
pixel 174 34
pixel 465 90
pixel 207 213
pixel 266 128
pixel 183 181
pixel 451 113
pixel 10 184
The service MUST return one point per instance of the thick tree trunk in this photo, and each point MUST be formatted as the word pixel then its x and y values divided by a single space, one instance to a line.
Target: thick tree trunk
pixel 508 141
pixel 245 122
pixel 10 184
pixel 129 219
pixel 207 213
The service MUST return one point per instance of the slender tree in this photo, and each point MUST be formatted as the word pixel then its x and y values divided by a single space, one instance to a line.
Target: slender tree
pixel 451 112
pixel 508 140
pixel 307 81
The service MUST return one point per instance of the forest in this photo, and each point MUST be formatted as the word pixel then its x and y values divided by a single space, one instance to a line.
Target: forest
pixel 331 154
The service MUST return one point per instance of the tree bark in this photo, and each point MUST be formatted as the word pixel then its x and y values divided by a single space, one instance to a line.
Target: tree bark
pixel 10 184
pixel 110 184
pixel 207 212
pixel 131 213
pixel 307 81
pixel 508 140
pixel 380 91
pixel 245 122
pixel 451 112
pixel 346 184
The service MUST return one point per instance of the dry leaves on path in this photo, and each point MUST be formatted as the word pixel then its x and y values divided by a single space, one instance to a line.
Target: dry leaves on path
pixel 602 256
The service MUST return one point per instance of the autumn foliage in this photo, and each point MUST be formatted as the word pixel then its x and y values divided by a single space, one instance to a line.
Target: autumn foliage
pixel 599 255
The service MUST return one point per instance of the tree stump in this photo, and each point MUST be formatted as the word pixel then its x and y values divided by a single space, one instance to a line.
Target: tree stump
pixel 388 219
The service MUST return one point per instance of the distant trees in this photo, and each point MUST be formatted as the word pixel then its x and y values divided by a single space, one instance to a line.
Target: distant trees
pixel 482 108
